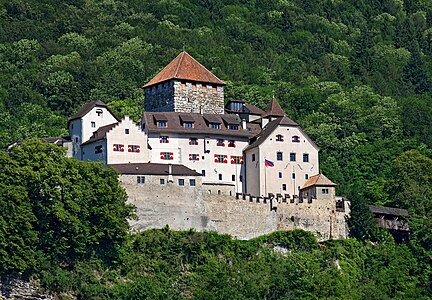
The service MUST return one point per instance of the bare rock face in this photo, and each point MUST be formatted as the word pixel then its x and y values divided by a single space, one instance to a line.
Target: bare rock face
pixel 15 287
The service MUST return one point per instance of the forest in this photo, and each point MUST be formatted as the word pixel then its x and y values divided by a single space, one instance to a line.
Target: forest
pixel 355 74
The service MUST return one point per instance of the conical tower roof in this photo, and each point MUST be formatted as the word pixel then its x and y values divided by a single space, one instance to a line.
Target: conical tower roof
pixel 185 67
pixel 274 109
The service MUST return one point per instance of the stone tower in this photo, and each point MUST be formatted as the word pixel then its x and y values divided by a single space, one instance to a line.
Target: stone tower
pixel 185 85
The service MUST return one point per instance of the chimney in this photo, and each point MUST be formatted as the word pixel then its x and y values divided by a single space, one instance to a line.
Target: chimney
pixel 170 177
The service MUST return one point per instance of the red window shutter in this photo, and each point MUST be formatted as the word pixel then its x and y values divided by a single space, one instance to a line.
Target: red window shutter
pixel 197 157
pixel 129 148
pixel 190 156
pixel 190 141
pixel 216 158
pixel 160 140
pixel 138 149
pixel 241 160
pixel 171 156
pixel 225 159
pixel 232 160
pixel 122 148
pixel 162 155
pixel 167 140
pixel 114 147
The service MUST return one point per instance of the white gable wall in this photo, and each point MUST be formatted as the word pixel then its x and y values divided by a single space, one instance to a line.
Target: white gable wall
pixel 135 137
pixel 267 178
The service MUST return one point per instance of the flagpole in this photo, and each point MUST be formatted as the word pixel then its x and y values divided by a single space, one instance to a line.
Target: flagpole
pixel 265 178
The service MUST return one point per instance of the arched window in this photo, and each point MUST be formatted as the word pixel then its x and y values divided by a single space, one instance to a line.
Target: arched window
pixel 296 139
pixel 279 138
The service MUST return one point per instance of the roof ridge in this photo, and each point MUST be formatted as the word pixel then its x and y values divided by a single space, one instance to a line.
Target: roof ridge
pixel 179 64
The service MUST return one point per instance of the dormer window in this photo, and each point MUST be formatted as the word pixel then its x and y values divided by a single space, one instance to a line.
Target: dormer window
pixel 99 112
pixel 215 125
pixel 188 124
pixel 162 124
pixel 233 126
pixel 279 138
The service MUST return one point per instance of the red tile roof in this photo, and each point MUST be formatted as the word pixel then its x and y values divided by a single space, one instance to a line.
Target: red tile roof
pixel 185 67
pixel 319 180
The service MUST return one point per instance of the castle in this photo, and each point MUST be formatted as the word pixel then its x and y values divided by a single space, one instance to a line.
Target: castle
pixel 193 162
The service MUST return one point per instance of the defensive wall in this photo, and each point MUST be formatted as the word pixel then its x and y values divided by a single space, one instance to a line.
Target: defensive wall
pixel 217 208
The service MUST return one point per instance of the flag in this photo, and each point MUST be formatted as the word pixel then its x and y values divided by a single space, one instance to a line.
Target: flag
pixel 269 163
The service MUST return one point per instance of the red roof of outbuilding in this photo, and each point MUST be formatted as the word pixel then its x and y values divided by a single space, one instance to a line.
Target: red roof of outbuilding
pixel 185 67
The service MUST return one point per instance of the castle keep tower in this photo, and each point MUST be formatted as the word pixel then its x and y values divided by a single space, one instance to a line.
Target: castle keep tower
pixel 185 85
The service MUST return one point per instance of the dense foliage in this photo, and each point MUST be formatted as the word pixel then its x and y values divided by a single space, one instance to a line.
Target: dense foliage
pixel 57 210
pixel 161 264
pixel 355 74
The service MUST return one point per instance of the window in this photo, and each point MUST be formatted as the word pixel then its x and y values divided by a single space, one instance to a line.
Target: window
pixel 134 148
pixel 99 112
pixel 296 139
pixel 306 176
pixel 241 178
pixel 118 147
pixel 220 176
pixel 325 191
pixel 126 131
pixel 280 174
pixel 293 175
pixel 305 157
pixel 162 181
pixel 220 142
pixel 231 143
pixel 181 182
pixel 233 127
pixel 93 124
pixel 279 138
pixel 194 157
pixel 188 124
pixel 193 141
pixel 237 160
pixel 161 124
pixel 233 177
pixel 141 179
pixel 292 157
pixel 203 173
pixel 98 149
pixel 279 156
pixel 71 126
pixel 76 140
pixel 164 139
pixel 253 157
pixel 219 158
pixel 192 182
pixel 214 125
pixel 166 155
pixel 284 187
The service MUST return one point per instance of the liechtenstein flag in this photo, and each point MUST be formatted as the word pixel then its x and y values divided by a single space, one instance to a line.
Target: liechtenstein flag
pixel 268 163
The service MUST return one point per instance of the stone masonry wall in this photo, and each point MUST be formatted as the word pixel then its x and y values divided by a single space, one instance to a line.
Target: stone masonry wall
pixel 183 208
pixel 198 98
pixel 160 97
